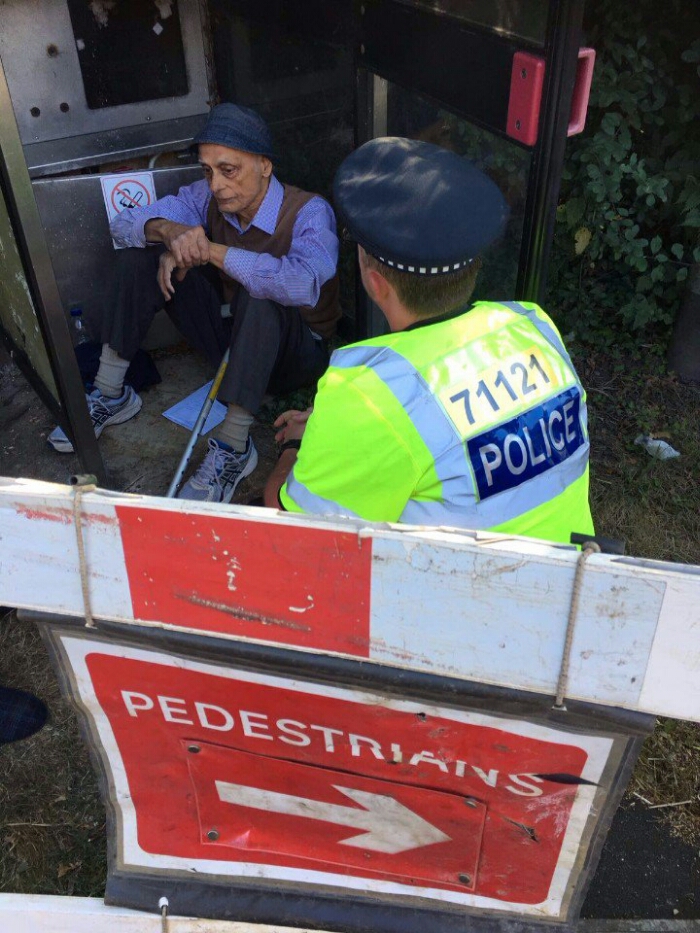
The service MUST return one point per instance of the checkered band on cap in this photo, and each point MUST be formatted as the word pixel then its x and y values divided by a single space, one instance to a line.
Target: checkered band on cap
pixel 425 270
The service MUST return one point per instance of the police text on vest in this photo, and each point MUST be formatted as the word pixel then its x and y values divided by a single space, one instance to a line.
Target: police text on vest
pixel 528 445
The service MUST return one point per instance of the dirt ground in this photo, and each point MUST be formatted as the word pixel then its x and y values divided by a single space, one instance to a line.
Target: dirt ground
pixel 140 456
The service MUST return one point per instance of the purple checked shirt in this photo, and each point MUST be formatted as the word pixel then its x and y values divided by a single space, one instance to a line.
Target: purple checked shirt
pixel 294 280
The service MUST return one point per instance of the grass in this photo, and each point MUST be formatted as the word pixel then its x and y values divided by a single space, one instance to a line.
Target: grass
pixel 52 822
pixel 52 829
pixel 655 506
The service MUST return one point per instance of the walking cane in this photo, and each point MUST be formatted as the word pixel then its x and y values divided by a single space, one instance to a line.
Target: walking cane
pixel 199 424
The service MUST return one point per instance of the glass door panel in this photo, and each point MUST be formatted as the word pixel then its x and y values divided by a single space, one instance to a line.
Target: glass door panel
pixel 526 20
pixel 492 81
pixel 507 163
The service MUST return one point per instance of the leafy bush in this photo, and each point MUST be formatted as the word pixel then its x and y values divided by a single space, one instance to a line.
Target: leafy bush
pixel 629 214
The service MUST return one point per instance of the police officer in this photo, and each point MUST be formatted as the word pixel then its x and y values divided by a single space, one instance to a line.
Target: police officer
pixel 466 414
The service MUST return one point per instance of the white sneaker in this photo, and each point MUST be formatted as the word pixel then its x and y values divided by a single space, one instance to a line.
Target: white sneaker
pixel 103 412
pixel 220 472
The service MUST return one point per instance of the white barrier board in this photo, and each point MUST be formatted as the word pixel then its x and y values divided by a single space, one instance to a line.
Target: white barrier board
pixel 477 606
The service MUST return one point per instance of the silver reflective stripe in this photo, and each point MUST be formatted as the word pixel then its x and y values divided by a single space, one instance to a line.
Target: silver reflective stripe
pixel 543 327
pixel 347 357
pixel 549 334
pixel 316 505
pixel 506 505
pixel 435 428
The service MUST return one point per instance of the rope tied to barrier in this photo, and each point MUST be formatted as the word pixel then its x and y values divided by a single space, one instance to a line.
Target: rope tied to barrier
pixel 82 483
pixel 588 548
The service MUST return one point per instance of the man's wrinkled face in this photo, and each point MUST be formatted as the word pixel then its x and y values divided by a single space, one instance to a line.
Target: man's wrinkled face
pixel 237 180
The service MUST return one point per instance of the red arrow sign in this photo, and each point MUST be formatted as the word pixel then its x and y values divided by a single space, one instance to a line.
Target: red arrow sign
pixel 387 825
pixel 288 809
pixel 234 773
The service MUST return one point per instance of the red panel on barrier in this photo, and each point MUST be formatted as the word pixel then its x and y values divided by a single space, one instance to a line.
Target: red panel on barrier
pixel 299 765
pixel 296 586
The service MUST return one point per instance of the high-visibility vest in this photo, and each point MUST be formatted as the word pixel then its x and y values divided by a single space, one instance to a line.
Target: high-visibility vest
pixel 475 421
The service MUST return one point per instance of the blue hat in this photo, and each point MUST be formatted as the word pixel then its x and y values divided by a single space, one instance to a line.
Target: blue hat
pixel 417 207
pixel 238 128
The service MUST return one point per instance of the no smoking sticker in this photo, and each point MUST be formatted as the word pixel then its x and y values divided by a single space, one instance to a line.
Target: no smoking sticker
pixel 127 191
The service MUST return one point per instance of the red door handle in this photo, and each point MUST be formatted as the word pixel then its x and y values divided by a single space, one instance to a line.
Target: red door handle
pixel 526 83
pixel 582 91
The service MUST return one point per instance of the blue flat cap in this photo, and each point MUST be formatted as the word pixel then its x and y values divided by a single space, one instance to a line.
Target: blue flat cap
pixel 238 128
pixel 417 207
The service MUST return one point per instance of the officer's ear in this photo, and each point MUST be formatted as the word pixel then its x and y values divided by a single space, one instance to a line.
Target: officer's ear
pixel 266 166
pixel 381 288
pixel 374 282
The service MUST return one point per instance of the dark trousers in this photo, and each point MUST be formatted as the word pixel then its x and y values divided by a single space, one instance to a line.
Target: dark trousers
pixel 271 348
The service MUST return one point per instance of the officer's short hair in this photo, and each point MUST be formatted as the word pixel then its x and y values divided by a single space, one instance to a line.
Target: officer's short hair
pixel 429 296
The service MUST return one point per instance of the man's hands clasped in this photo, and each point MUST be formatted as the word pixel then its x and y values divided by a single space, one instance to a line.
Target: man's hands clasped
pixel 186 247
pixel 189 246
pixel 166 266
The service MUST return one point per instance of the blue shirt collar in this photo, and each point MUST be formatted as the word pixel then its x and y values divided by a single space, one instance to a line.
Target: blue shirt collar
pixel 266 216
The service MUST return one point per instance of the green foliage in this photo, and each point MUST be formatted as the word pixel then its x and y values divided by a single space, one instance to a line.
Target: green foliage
pixel 629 214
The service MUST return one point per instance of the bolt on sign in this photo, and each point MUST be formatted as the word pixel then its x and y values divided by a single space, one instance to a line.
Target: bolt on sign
pixel 273 795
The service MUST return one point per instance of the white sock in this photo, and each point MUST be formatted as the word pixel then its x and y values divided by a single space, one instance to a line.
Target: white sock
pixel 234 429
pixel 110 376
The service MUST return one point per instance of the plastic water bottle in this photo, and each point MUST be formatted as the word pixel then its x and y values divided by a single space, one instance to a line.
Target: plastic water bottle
pixel 79 332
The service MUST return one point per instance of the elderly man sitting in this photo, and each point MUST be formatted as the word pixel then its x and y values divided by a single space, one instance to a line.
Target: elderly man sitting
pixel 237 237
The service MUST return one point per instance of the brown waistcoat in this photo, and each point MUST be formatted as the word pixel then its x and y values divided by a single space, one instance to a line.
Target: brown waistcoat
pixel 323 316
